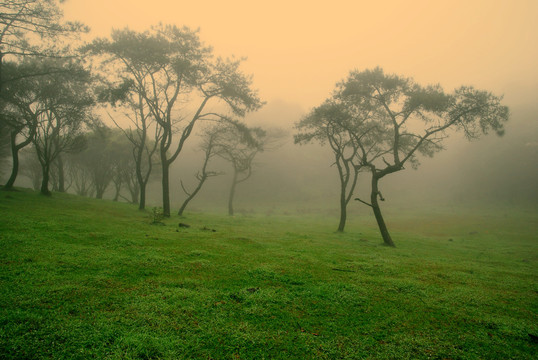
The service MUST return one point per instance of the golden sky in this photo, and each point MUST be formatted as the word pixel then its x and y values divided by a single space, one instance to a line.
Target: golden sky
pixel 297 50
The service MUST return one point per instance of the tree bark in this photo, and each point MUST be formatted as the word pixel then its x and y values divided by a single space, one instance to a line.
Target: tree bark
pixel 15 165
pixel 142 202
pixel 166 188
pixel 45 181
pixel 343 210
pixel 387 240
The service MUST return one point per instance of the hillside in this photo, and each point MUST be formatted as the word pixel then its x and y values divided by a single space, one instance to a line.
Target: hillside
pixel 82 278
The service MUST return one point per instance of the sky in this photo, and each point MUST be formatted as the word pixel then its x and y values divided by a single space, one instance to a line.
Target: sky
pixel 297 50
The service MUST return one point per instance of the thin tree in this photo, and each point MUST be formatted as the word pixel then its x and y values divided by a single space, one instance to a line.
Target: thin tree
pixel 239 145
pixel 330 124
pixel 209 147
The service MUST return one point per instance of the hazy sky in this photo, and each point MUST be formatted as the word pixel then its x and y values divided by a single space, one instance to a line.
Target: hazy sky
pixel 297 50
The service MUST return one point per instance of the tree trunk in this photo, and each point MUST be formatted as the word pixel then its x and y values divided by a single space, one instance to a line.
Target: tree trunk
pixel 232 194
pixel 15 165
pixel 387 240
pixel 192 195
pixel 142 202
pixel 166 188
pixel 61 174
pixel 343 211
pixel 118 189
pixel 45 181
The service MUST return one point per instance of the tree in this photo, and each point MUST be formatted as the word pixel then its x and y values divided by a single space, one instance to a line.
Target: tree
pixel 407 120
pixel 209 147
pixel 239 145
pixel 24 21
pixel 61 105
pixel 18 115
pixel 331 123
pixel 143 147
pixel 169 67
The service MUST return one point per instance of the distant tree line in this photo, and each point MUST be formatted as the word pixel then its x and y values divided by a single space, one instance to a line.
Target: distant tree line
pixel 164 81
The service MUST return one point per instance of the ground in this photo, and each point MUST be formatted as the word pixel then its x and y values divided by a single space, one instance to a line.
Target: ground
pixel 82 278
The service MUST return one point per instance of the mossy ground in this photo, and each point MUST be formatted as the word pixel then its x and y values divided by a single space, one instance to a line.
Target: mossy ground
pixel 82 279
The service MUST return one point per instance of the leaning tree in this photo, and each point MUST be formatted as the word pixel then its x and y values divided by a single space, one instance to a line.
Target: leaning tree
pixel 173 72
pixel 209 146
pixel 406 120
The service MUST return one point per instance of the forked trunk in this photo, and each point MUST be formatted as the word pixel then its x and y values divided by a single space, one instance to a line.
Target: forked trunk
pixel 387 240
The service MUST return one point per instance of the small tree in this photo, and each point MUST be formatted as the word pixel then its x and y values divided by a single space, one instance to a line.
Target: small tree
pixel 209 147
pixel 239 145
pixel 330 124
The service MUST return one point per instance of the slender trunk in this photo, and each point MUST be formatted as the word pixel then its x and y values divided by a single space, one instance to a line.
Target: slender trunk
pixel 118 189
pixel 142 202
pixel 61 175
pixel 15 165
pixel 166 187
pixel 232 194
pixel 45 181
pixel 377 212
pixel 192 195
pixel 343 210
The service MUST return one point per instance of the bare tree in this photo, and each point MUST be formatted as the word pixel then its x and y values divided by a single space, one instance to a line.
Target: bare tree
pixel 239 145
pixel 209 147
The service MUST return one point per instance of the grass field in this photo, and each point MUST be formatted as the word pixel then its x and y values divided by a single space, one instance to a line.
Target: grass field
pixel 89 279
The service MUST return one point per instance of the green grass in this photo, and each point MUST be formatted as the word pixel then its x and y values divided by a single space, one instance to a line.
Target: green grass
pixel 88 279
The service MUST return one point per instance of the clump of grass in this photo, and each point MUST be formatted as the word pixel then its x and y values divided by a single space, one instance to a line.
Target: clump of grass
pixel 157 216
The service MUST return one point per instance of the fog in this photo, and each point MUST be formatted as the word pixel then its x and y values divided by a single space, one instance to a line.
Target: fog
pixel 298 51
pixel 301 179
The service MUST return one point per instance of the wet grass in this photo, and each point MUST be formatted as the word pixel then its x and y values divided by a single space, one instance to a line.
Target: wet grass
pixel 82 279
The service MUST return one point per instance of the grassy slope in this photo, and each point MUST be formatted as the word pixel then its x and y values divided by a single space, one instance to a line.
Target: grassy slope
pixel 82 278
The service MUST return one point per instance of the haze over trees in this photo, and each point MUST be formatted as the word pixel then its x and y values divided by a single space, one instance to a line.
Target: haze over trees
pixel 388 120
pixel 158 86
pixel 167 65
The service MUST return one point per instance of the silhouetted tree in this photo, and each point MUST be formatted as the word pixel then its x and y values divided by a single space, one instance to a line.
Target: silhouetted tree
pixel 406 119
pixel 26 25
pixel 209 147
pixel 168 66
pixel 239 145
pixel 330 123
